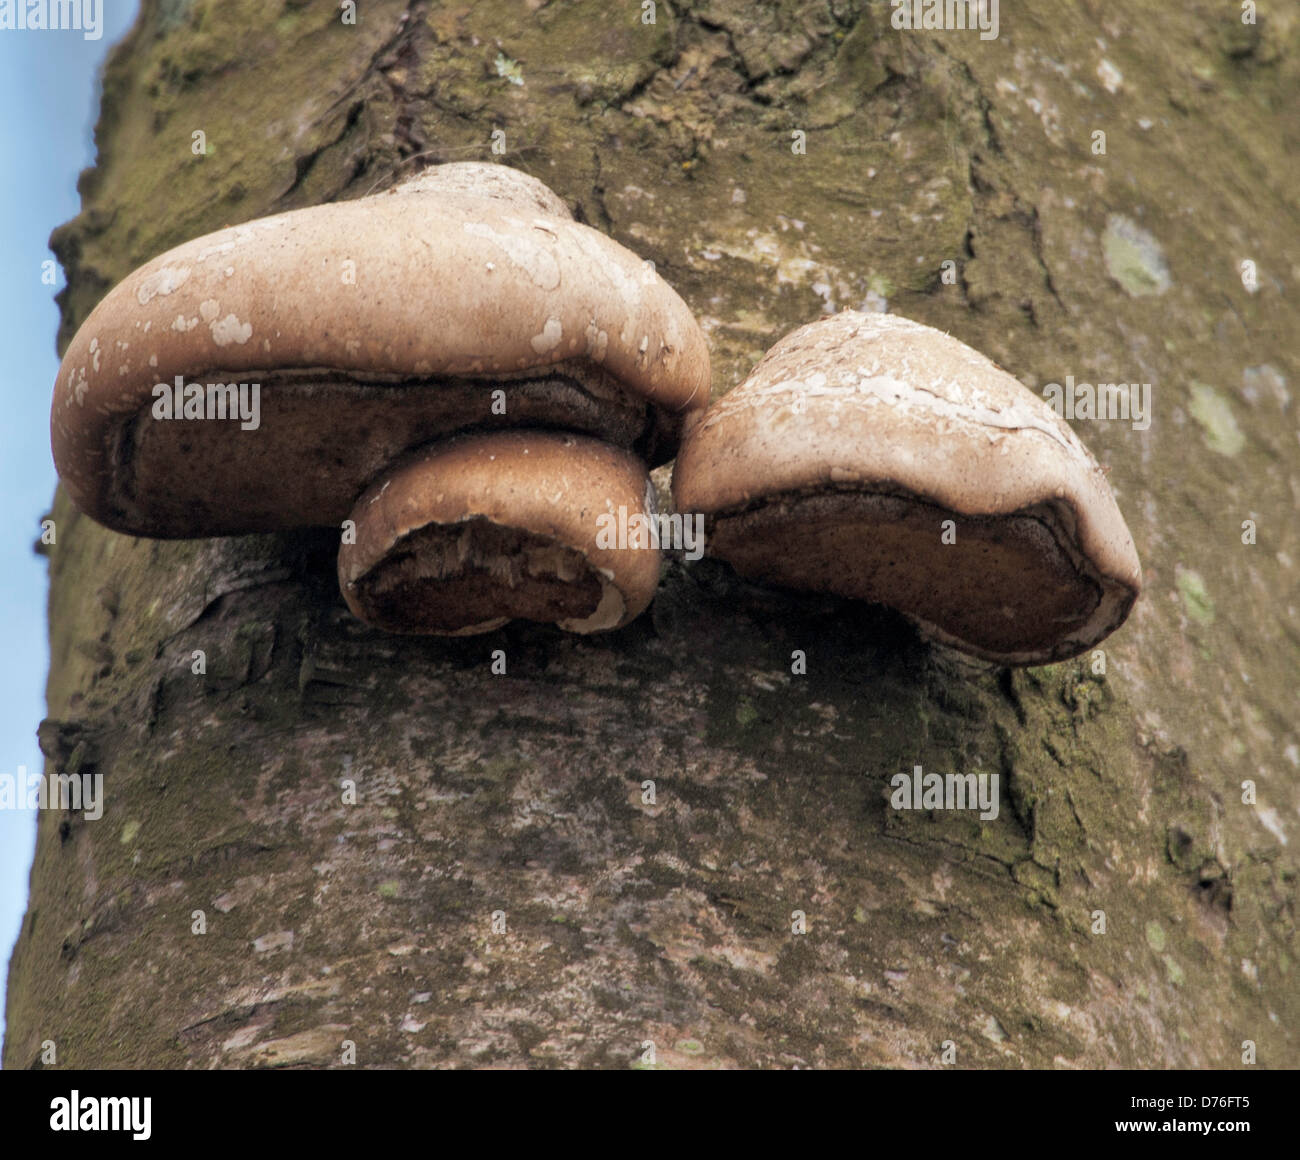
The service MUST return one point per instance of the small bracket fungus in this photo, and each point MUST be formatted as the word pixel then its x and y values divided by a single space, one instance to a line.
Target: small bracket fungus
pixel 881 460
pixel 470 533
pixel 262 377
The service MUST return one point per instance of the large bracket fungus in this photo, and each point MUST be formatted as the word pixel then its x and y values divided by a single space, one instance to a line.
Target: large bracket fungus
pixel 879 459
pixel 465 300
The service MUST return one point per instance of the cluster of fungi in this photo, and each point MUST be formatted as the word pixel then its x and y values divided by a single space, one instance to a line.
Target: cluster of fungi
pixel 465 379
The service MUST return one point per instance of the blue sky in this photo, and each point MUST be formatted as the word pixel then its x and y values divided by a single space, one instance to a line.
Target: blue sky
pixel 49 90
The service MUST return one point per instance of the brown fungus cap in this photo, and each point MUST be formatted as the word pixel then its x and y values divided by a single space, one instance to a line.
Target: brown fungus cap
pixel 471 533
pixel 483 179
pixel 835 465
pixel 458 301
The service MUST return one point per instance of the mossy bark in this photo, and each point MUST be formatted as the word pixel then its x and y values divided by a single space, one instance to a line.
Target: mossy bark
pixel 674 922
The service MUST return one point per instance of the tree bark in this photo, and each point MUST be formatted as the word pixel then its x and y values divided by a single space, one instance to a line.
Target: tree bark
pixel 483 800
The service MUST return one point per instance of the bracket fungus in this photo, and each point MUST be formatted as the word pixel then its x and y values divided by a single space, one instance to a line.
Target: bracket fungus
pixel 472 532
pixel 319 347
pixel 878 459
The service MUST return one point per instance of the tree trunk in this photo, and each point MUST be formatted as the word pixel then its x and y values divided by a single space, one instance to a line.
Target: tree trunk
pixel 504 891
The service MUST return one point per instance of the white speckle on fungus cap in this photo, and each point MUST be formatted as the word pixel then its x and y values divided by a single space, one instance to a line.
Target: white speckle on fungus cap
pixel 626 285
pixel 550 337
pixel 597 341
pixel 162 281
pixel 524 251
pixel 216 248
pixel 230 329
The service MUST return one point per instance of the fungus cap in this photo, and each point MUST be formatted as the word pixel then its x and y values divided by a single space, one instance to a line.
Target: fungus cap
pixel 367 327
pixel 834 465
pixel 468 534
pixel 484 179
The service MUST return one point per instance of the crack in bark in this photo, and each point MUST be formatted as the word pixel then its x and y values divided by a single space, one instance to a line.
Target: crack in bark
pixel 400 48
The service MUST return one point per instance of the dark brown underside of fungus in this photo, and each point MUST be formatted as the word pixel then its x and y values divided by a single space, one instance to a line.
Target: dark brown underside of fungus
pixel 1006 586
pixel 446 578
pixel 323 438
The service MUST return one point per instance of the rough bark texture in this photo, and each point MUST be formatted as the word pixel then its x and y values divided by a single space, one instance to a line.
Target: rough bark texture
pixel 522 793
